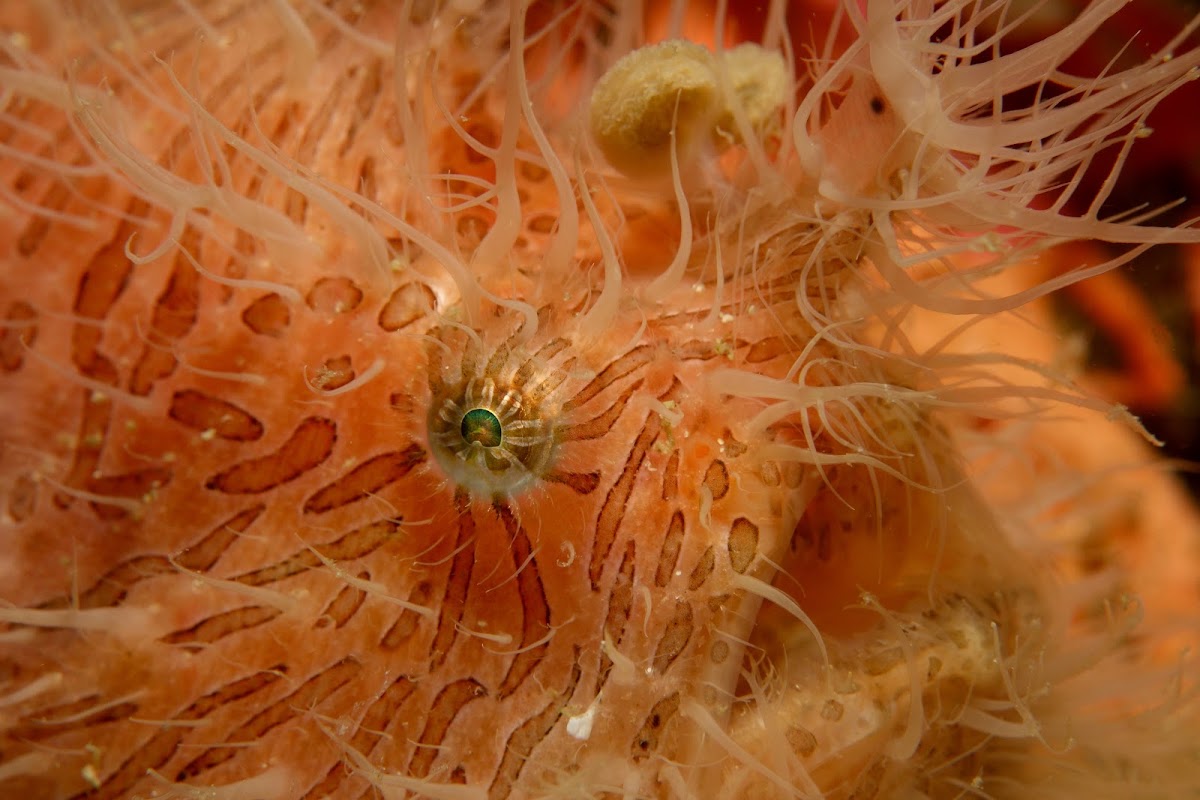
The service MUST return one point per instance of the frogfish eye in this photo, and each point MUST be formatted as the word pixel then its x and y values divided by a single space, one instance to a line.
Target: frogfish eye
pixel 479 425
pixel 491 436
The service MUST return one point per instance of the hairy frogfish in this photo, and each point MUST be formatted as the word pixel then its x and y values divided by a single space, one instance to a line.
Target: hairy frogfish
pixel 578 399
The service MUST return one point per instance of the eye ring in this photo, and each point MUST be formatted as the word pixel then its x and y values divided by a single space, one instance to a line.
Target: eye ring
pixel 481 426
pixel 491 440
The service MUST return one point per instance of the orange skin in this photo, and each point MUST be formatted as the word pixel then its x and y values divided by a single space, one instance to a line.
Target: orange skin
pixel 245 554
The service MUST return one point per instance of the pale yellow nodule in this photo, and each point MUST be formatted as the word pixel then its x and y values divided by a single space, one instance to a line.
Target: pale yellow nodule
pixel 677 86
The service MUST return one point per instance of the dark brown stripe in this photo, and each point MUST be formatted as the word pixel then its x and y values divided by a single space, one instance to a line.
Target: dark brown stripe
pixel 309 445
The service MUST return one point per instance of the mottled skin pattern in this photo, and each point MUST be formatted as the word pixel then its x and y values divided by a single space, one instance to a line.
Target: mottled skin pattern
pixel 310 581
pixel 225 500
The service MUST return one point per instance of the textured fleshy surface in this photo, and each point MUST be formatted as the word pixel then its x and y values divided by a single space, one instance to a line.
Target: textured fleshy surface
pixel 262 263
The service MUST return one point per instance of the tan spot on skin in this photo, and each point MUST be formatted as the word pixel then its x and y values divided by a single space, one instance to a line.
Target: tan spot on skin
pixel 648 736
pixel 233 692
pixel 579 482
pixel 674 638
pixel 716 479
pixel 603 423
pixel 801 740
pixel 743 544
pixel 613 372
pixel 402 403
pixel 832 710
pixel 670 481
pixel 164 744
pixel 102 283
pixel 334 296
pixel 732 447
pixel 151 755
pixel 767 349
pixel 409 303
pixel 334 373
pixel 542 224
pixel 883 661
pixel 35 231
pixel 703 568
pixel 203 412
pixel 175 313
pixel 769 474
pixel 472 227
pixel 93 433
pixel 268 315
pixel 669 557
pixel 620 604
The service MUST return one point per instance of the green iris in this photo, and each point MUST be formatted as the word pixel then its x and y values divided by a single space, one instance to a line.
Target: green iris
pixel 482 426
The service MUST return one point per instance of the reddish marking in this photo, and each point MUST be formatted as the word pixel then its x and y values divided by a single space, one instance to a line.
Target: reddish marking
pixel 93 431
pixel 671 546
pixel 221 625
pixel 365 479
pixel 138 485
pixel 204 412
pixel 520 745
pixel 99 287
pixel 454 600
pixel 675 637
pixel 201 556
pixel 301 701
pixel 344 606
pixel 449 702
pixel 620 605
pixel 309 446
pixel 334 296
pixel 533 603
pixel 268 315
pixel 174 315
pixel 647 739
pixel 409 303
pixel 354 545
